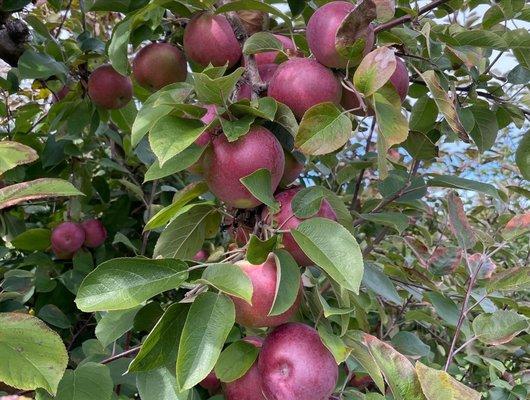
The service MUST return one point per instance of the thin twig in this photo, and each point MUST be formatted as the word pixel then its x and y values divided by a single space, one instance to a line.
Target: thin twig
pixel 361 174
pixel 121 355
pixel 408 17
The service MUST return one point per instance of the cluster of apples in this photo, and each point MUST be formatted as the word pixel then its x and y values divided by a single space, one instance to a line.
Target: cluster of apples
pixel 292 364
pixel 68 237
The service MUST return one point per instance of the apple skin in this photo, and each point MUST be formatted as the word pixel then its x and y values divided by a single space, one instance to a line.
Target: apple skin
pixel 209 39
pixel 109 89
pixel 61 94
pixel 263 278
pixel 159 64
pixel 248 387
pixel 201 256
pixel 204 139
pixel 295 365
pixel 225 162
pixel 286 219
pixel 293 169
pixel 66 239
pixel 302 83
pixel 268 57
pixel 211 383
pixel 322 30
pixel 95 233
pixel 400 81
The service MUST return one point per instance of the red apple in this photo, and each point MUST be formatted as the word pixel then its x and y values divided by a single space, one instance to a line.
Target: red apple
pixel 248 387
pixel 211 383
pixel 108 88
pixel 302 83
pixel 293 169
pixel 295 365
pixel 322 31
pixel 286 220
pixel 225 163
pixel 263 278
pixel 205 137
pixel 66 239
pixel 209 38
pixel 158 65
pixel 95 233
pixel 201 256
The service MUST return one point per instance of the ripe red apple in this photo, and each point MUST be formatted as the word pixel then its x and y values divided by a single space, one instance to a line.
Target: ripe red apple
pixel 268 57
pixel 322 30
pixel 205 137
pixel 201 255
pixel 295 365
pixel 109 89
pixel 95 233
pixel 285 220
pixel 158 65
pixel 209 38
pixel 248 387
pixel 226 162
pixel 263 278
pixel 211 383
pixel 301 83
pixel 293 169
pixel 66 239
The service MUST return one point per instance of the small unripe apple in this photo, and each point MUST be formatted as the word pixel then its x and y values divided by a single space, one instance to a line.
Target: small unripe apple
pixel 268 57
pixel 322 31
pixel 95 233
pixel 66 239
pixel 158 65
pixel 294 364
pixel 248 387
pixel 209 38
pixel 263 278
pixel 225 163
pixel 302 83
pixel 109 89
pixel 293 169
pixel 286 220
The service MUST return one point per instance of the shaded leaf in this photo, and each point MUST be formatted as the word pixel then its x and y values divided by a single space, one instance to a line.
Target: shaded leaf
pixel 287 282
pixel 37 189
pixel 236 360
pixel 259 183
pixel 499 327
pixel 458 222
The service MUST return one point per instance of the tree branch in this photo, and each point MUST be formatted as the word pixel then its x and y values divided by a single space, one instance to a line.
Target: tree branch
pixel 408 17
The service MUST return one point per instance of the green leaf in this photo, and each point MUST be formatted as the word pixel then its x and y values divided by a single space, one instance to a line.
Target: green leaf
pixel 359 351
pixel 486 128
pixel 377 281
pixel 375 70
pixel 207 326
pixel 333 248
pixel 31 354
pixel 323 129
pixel 259 183
pixel 260 42
pixel 499 327
pixel 459 223
pixel 258 250
pixel 119 42
pixel 253 5
pixel 218 90
pixel 422 146
pixel 159 384
pixel 510 280
pixel 267 108
pixel 410 344
pixel 181 198
pixel 480 38
pixel 454 182
pixel 160 346
pixel 37 239
pixel 124 283
pixel 445 308
pixel 180 162
pixel 395 220
pixel 87 382
pixel 156 106
pixel 233 130
pixel 423 114
pixel 13 154
pixel 522 156
pixel 438 384
pixel 185 234
pixel 235 361
pixel 287 282
pixel 333 343
pixel 37 189
pixel 396 368
pixel 171 135
pixel 114 324
pixel 33 65
pixel 53 315
pixel 230 279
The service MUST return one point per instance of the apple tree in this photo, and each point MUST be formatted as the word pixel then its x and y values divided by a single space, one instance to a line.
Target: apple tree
pixel 264 200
